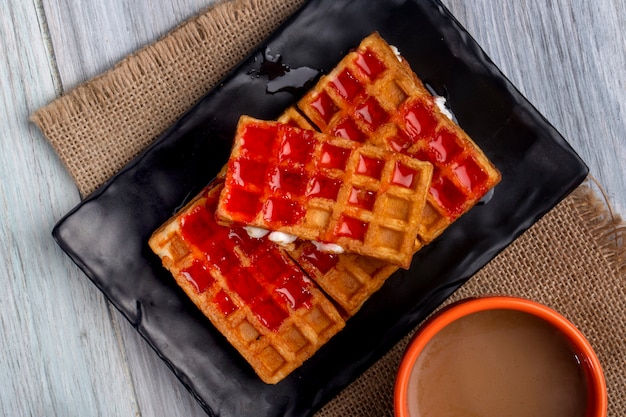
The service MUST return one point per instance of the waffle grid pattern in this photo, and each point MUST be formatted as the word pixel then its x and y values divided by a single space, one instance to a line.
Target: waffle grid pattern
pixel 349 279
pixel 250 289
pixel 373 96
pixel 333 190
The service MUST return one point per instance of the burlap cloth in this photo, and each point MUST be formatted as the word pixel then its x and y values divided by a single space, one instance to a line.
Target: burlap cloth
pixel 573 260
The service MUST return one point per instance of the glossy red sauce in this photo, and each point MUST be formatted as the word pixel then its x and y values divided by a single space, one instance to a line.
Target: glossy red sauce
pixel 222 258
pixel 224 303
pixel 323 187
pixel 372 113
pixel 370 167
pixel 247 171
pixel 241 204
pixel 269 313
pixel 351 227
pixel 288 181
pixel 348 129
pixel 324 106
pixel 296 148
pixel 240 237
pixel 444 147
pixel 448 196
pixel 400 142
pixel 257 140
pixel 364 199
pixel 419 120
pixel 333 157
pixel 198 226
pixel 346 85
pixel 268 262
pixel 198 274
pixel 424 155
pixel 269 285
pixel 244 282
pixel 282 210
pixel 322 261
pixel 471 176
pixel 294 290
pixel 369 64
pixel 404 176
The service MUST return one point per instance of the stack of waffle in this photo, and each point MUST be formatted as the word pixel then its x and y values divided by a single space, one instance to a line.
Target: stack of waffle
pixel 355 178
pixel 373 96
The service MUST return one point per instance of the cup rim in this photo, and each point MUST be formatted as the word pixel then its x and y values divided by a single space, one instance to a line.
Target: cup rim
pixel 597 394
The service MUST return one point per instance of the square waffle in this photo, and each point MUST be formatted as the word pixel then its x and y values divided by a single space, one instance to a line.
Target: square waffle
pixel 326 189
pixel 373 96
pixel 250 289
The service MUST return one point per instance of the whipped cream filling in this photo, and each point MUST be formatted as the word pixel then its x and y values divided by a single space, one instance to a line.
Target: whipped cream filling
pixel 282 238
pixel 328 247
pixel 256 232
pixel 276 237
pixel 441 103
pixel 396 51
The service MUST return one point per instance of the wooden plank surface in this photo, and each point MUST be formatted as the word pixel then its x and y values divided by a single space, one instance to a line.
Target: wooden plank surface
pixel 65 351
pixel 90 36
pixel 567 58
pixel 50 316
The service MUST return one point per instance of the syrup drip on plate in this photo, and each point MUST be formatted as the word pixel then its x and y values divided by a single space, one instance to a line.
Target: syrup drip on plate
pixel 282 78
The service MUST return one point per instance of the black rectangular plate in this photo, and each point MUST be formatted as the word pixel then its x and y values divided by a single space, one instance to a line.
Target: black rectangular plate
pixel 107 234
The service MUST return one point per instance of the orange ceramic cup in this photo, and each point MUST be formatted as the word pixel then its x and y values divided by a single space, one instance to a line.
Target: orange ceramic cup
pixel 596 386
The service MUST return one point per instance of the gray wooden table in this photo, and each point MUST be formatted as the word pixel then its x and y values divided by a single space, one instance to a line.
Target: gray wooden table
pixel 65 351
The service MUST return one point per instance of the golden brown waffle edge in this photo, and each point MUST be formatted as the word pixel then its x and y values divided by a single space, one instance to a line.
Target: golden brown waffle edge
pixel 327 189
pixel 273 314
pixel 373 96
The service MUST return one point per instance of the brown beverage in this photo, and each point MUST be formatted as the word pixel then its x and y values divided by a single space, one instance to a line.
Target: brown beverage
pixel 498 363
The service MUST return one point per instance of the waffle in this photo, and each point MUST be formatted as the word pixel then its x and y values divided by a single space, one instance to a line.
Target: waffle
pixel 292 117
pixel 332 190
pixel 349 279
pixel 251 291
pixel 373 96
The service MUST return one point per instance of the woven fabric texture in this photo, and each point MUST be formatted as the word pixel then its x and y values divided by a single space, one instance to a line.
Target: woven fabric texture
pixel 102 124
pixel 573 259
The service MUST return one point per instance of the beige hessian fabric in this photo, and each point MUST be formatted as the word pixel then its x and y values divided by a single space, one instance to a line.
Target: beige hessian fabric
pixel 573 260
pixel 99 126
